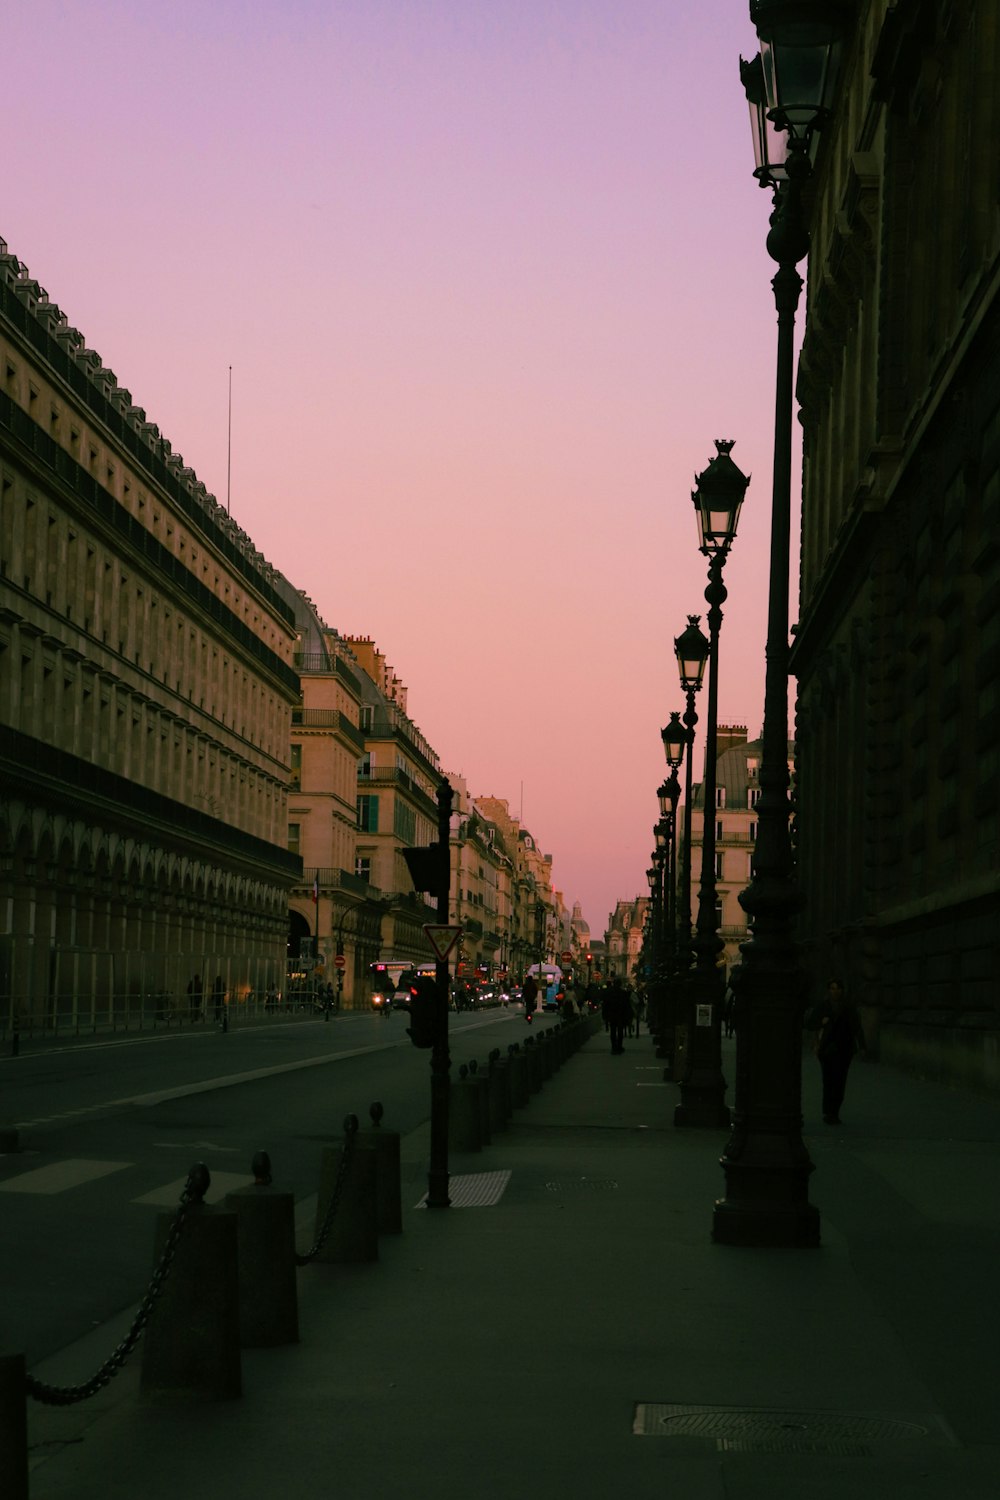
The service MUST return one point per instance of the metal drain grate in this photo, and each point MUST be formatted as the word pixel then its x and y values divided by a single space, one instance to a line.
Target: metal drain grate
pixel 760 1430
pixel 474 1190
pixel 572 1184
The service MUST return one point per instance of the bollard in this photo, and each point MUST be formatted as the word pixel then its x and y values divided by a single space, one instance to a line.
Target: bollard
pixel 548 1055
pixel 265 1237
pixel 519 1084
pixel 465 1131
pixel 13 1427
pixel 353 1233
pixel 497 1081
pixel 388 1173
pixel 191 1347
pixel 481 1084
pixel 534 1057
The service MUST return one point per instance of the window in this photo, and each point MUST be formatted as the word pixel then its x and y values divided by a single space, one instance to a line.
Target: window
pixel 720 796
pixel 363 867
pixel 718 866
pixel 365 716
pixel 294 831
pixel 753 831
pixel 404 823
pixel 718 828
pixel 753 796
pixel 365 765
pixel 368 814
pixel 753 766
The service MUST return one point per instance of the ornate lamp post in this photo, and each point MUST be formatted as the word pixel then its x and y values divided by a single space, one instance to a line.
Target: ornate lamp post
pixel 789 87
pixel 717 499
pixel 691 649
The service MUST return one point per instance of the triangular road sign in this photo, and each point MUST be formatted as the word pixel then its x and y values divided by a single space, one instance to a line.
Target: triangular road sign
pixel 442 939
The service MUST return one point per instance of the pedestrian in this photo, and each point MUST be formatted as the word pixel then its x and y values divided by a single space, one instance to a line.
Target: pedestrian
pixel 839 1037
pixel 571 1001
pixel 194 990
pixel 218 998
pixel 529 993
pixel 617 1012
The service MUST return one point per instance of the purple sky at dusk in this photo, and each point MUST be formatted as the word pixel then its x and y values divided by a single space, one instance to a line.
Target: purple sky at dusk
pixel 491 278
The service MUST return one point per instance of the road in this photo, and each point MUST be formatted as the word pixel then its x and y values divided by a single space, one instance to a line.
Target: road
pixel 109 1126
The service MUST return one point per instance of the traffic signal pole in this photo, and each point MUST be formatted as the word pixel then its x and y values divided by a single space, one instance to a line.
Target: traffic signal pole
pixel 437 1177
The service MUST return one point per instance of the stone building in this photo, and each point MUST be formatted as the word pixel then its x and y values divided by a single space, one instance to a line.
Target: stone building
pixel 146 686
pixel 624 936
pixel 897 649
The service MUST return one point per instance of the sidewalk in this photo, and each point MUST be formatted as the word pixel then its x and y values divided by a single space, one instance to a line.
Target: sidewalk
pixel 503 1351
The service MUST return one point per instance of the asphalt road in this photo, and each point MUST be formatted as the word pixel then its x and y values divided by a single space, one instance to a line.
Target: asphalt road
pixel 109 1126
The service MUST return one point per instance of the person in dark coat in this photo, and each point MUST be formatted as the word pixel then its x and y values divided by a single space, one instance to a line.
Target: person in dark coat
pixel 617 1010
pixel 529 993
pixel 839 1037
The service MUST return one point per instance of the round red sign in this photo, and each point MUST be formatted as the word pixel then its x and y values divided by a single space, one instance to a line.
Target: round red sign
pixel 340 961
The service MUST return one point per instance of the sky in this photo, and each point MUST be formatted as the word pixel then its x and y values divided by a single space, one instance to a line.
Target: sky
pixel 490 277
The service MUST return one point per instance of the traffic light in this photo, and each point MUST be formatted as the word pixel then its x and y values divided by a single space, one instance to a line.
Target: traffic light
pixel 425 1012
pixel 428 867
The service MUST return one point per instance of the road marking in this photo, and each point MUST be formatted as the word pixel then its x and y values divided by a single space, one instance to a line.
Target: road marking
pixel 169 1195
pixel 60 1176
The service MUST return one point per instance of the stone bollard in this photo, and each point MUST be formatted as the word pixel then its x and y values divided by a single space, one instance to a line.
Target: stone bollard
pixel 191 1347
pixel 388 1173
pixel 499 1094
pixel 481 1083
pixel 465 1130
pixel 353 1235
pixel 265 1237
pixel 13 1427
pixel 519 1089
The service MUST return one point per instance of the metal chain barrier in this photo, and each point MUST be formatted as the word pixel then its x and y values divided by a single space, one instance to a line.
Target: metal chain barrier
pixel 197 1185
pixel 350 1132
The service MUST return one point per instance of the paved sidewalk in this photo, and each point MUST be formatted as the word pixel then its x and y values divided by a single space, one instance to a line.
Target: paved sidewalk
pixel 502 1352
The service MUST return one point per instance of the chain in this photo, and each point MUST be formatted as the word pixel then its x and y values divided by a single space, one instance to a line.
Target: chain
pixel 198 1181
pixel 350 1132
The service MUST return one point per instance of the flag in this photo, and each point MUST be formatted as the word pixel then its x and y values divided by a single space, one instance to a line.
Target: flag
pixel 316 888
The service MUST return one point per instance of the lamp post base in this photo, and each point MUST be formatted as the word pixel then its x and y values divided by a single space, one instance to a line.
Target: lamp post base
pixel 766 1226
pixel 767 1193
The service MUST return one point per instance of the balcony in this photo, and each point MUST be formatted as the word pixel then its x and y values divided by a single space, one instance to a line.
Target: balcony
pixel 331 879
pixel 328 718
pixel 393 776
pixel 321 664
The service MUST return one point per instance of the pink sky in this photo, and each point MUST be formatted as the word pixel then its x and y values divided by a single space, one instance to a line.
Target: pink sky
pixel 491 278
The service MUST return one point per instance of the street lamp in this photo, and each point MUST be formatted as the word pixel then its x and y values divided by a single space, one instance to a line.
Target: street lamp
pixel 691 649
pixel 718 499
pixel 766 1165
pixel 668 793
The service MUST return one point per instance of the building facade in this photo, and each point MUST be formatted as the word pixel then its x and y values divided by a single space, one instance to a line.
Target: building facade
pixel 897 649
pixel 737 792
pixel 146 687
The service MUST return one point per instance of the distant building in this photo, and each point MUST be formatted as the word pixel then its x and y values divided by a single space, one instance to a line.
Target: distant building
pixel 737 791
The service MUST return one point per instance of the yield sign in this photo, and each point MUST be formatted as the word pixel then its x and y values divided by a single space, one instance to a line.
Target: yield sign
pixel 442 939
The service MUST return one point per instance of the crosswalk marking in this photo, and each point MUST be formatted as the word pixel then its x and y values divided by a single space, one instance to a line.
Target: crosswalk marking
pixel 168 1196
pixel 59 1176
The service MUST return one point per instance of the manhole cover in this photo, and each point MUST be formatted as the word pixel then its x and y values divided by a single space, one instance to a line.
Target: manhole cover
pixel 736 1430
pixel 573 1184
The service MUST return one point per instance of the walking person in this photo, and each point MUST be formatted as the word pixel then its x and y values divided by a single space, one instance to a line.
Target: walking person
pixel 839 1037
pixel 617 1009
pixel 529 993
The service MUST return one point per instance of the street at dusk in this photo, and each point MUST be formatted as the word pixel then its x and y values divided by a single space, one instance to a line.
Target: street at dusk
pixel 498 622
